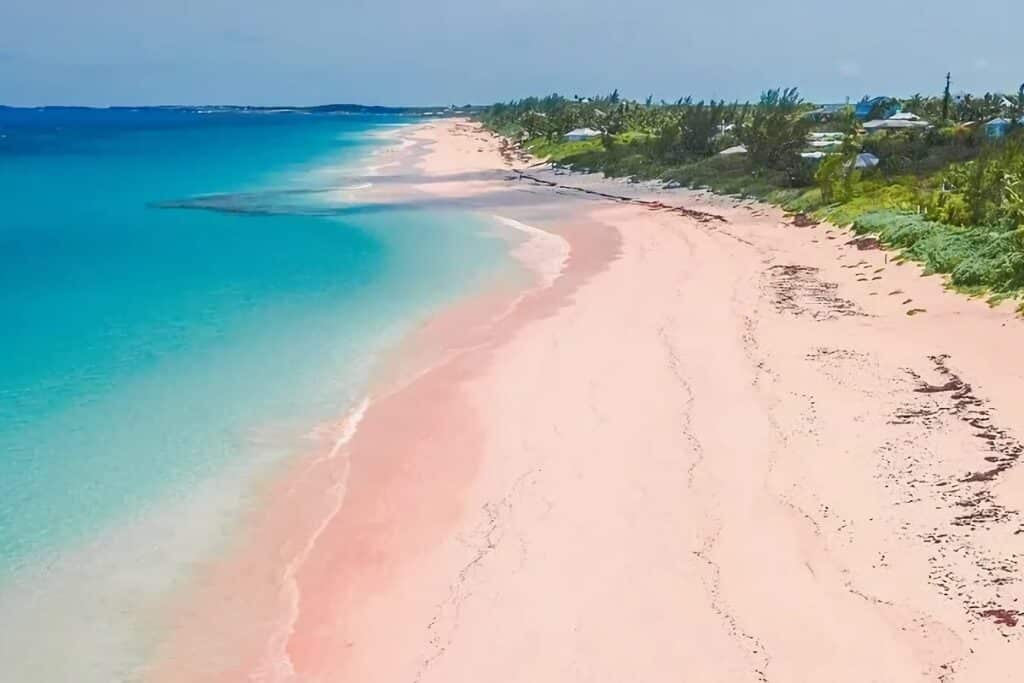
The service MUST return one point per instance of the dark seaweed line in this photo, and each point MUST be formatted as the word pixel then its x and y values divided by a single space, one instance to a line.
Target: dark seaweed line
pixel 701 216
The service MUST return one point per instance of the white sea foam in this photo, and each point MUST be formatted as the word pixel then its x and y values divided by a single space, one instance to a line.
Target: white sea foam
pixel 276 666
pixel 126 576
pixel 543 252
pixel 122 578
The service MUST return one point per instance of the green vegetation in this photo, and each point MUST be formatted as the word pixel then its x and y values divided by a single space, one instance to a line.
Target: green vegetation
pixel 946 195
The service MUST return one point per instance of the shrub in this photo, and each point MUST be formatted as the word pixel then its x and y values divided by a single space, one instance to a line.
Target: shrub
pixel 986 191
pixel 898 151
pixel 895 229
pixel 776 132
pixel 975 258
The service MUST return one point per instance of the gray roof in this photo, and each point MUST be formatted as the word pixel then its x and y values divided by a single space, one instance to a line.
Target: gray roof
pixel 865 160
pixel 583 133
pixel 893 124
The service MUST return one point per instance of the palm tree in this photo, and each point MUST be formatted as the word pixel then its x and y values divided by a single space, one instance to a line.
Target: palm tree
pixel 915 104
pixel 946 98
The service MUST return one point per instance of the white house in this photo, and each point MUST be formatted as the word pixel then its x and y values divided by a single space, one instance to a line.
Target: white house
pixel 865 160
pixel 825 139
pixel 738 149
pixel 895 124
pixel 579 134
pixel 905 116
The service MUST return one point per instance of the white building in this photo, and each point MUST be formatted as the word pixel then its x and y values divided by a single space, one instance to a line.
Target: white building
pixel 905 116
pixel 895 124
pixel 582 134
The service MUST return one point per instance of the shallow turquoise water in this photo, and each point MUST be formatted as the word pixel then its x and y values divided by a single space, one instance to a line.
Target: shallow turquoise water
pixel 144 347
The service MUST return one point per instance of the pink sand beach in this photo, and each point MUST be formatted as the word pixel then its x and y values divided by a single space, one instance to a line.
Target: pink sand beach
pixel 699 445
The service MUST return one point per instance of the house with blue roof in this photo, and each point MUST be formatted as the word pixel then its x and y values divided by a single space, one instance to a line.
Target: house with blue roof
pixel 999 127
pixel 826 112
pixel 881 107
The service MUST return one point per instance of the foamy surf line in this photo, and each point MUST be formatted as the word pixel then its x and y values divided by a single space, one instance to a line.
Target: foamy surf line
pixel 276 664
pixel 543 252
pixel 401 135
pixel 297 528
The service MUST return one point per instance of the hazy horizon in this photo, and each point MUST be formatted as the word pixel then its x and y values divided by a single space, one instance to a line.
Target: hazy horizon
pixel 223 52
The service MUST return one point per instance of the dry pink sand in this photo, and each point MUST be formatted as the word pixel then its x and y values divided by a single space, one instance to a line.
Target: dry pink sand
pixel 708 451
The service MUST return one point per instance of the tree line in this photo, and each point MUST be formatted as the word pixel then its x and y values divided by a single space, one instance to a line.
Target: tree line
pixel 947 190
pixel 773 130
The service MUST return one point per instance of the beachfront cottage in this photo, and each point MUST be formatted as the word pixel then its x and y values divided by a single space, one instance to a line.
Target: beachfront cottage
pixel 825 140
pixel 826 112
pixel 865 160
pixel 877 106
pixel 997 128
pixel 578 134
pixel 895 124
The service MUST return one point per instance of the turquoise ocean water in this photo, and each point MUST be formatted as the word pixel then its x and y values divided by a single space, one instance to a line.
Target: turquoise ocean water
pixel 149 351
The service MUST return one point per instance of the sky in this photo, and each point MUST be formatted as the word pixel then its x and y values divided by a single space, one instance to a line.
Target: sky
pixel 406 52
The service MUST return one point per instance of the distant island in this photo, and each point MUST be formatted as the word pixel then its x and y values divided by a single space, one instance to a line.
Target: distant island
pixel 441 110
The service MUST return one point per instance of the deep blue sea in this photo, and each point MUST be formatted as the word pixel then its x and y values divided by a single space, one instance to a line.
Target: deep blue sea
pixel 156 357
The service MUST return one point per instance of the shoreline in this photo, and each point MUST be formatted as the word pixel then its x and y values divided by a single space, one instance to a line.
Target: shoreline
pixel 722 447
pixel 127 558
pixel 464 328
